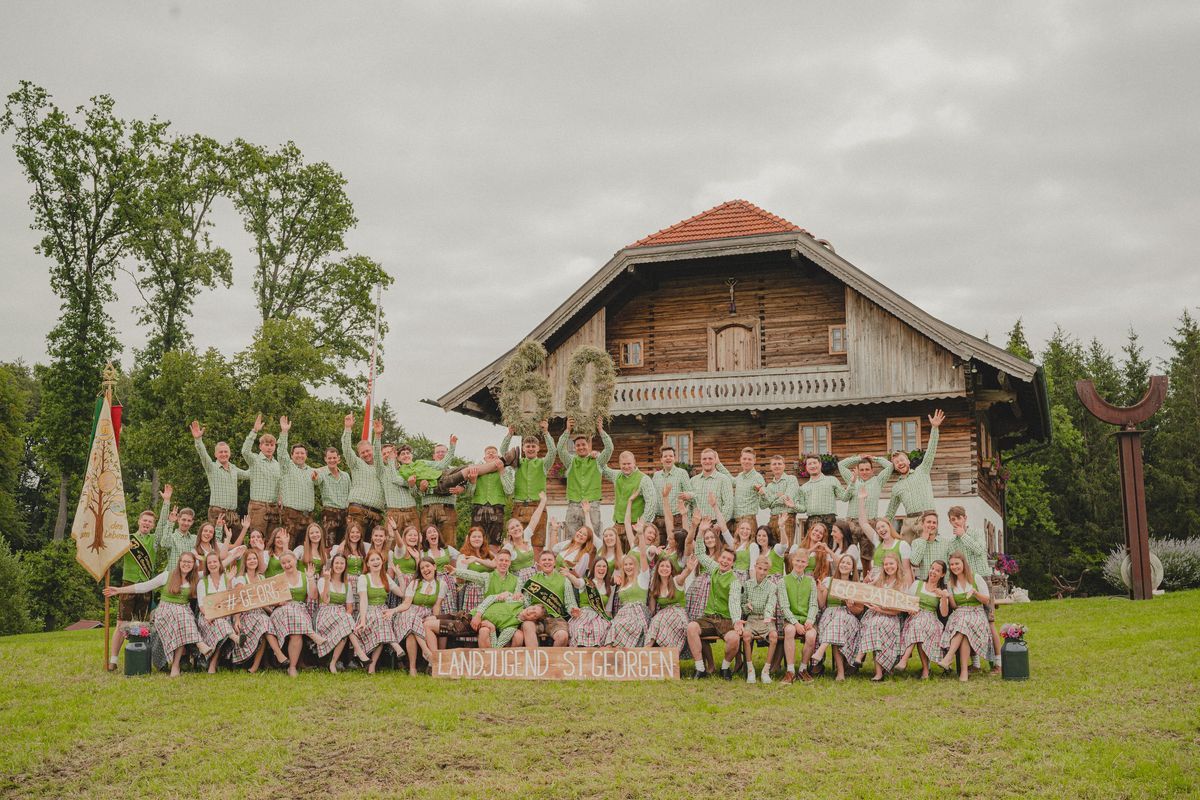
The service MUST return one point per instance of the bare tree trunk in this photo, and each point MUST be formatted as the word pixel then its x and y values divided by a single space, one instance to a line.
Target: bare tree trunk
pixel 60 524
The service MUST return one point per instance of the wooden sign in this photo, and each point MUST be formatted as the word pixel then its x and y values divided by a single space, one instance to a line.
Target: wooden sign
pixel 866 594
pixel 247 596
pixel 559 664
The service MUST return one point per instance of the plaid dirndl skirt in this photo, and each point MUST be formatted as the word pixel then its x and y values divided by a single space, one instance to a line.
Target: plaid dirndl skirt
pixel 472 596
pixel 971 622
pixel 450 597
pixel 525 574
pixel 377 631
pixel 176 627
pixel 697 596
pixel 880 634
pixel 628 627
pixel 589 629
pixel 291 619
pixel 925 629
pixel 668 627
pixel 335 624
pixel 214 633
pixel 838 627
pixel 254 623
pixel 411 620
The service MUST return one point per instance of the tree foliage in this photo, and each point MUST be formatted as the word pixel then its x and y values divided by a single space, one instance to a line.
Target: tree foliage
pixel 298 214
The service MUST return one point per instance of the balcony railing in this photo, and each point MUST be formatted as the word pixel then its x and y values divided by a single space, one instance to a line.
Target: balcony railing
pixel 711 391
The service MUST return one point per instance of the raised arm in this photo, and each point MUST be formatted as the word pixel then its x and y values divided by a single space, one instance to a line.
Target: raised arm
pixel 551 450
pixel 885 469
pixel 606 453
pixel 846 465
pixel 863 521
pixel 198 438
pixel 353 462
pixel 651 497
pixel 536 516
pixel 935 424
pixel 248 444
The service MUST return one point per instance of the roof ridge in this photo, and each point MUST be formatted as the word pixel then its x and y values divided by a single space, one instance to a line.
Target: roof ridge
pixel 772 223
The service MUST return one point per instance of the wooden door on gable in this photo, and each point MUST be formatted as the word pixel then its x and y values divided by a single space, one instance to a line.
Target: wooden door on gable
pixel 733 346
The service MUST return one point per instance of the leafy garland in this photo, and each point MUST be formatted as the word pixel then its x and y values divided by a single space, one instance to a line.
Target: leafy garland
pixel 520 375
pixel 603 386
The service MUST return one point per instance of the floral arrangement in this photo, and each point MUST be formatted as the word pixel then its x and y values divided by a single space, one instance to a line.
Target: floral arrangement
pixel 829 463
pixel 915 457
pixel 1013 630
pixel 136 628
pixel 1007 564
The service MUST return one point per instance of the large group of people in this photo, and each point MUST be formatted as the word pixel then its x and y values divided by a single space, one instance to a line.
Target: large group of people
pixel 684 564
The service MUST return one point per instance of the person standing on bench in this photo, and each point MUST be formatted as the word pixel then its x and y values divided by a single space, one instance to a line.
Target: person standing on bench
pixel 722 613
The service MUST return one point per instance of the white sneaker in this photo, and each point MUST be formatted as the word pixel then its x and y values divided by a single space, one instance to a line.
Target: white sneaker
pixel 766 675
pixel 750 677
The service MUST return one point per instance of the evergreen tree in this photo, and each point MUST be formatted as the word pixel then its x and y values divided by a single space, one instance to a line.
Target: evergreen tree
pixel 1173 471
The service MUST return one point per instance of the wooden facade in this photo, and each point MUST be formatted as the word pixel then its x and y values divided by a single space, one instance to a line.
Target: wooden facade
pixel 774 342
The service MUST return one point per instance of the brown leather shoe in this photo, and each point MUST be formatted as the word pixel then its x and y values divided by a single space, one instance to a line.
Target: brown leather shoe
pixel 805 677
pixel 789 677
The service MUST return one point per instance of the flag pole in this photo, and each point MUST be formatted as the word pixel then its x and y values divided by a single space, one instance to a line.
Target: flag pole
pixel 369 412
pixel 110 377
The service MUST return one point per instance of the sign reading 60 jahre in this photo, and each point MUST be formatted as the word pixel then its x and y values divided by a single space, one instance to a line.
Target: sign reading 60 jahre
pixel 559 664
pixel 247 596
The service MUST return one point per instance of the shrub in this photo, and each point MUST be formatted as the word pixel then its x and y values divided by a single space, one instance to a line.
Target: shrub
pixel 14 593
pixel 60 591
pixel 1180 560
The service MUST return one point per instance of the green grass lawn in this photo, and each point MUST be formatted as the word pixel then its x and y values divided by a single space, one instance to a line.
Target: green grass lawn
pixel 1112 710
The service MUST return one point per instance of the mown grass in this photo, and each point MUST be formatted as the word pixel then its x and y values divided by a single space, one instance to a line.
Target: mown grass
pixel 1112 710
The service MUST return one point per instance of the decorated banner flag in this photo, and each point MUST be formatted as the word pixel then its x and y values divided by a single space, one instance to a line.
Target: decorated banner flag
pixel 101 530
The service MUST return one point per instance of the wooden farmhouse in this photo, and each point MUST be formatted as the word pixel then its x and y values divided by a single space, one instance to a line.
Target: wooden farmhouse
pixel 737 328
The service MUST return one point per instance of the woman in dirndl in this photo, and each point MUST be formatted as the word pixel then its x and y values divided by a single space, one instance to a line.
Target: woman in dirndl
pixel 923 630
pixel 476 556
pixel 173 620
pixel 879 629
pixel 697 591
pixel 838 628
pixel 216 633
pixel 588 626
pixel 335 620
pixel 519 542
pixel 422 601
pixel 967 630
pixel 666 605
pixel 291 620
pixel 628 626
pixel 252 628
pixel 445 557
pixel 374 630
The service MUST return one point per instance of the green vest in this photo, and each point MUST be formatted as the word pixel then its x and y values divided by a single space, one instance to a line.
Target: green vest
pixel 489 491
pixel 966 598
pixel 337 598
pixel 180 598
pixel 426 600
pixel 633 594
pixel 555 582
pixel 500 585
pixel 778 562
pixel 522 560
pixel 504 615
pixel 741 559
pixel 376 595
pixel 131 571
pixel 677 599
pixel 407 564
pixel 273 567
pixel 583 480
pixel 929 602
pixel 718 594
pixel 300 593
pixel 354 565
pixel 624 487
pixel 799 590
pixel 530 479
pixel 881 551
pixel 831 601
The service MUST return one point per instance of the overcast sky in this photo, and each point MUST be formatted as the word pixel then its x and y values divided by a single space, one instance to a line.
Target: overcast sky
pixel 987 161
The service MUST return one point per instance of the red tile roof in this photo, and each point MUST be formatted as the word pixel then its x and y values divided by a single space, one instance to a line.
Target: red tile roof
pixel 728 220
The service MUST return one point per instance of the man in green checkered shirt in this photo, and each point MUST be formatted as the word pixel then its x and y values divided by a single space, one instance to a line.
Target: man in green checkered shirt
pixel 297 486
pixel 914 488
pixel 223 476
pixel 263 509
